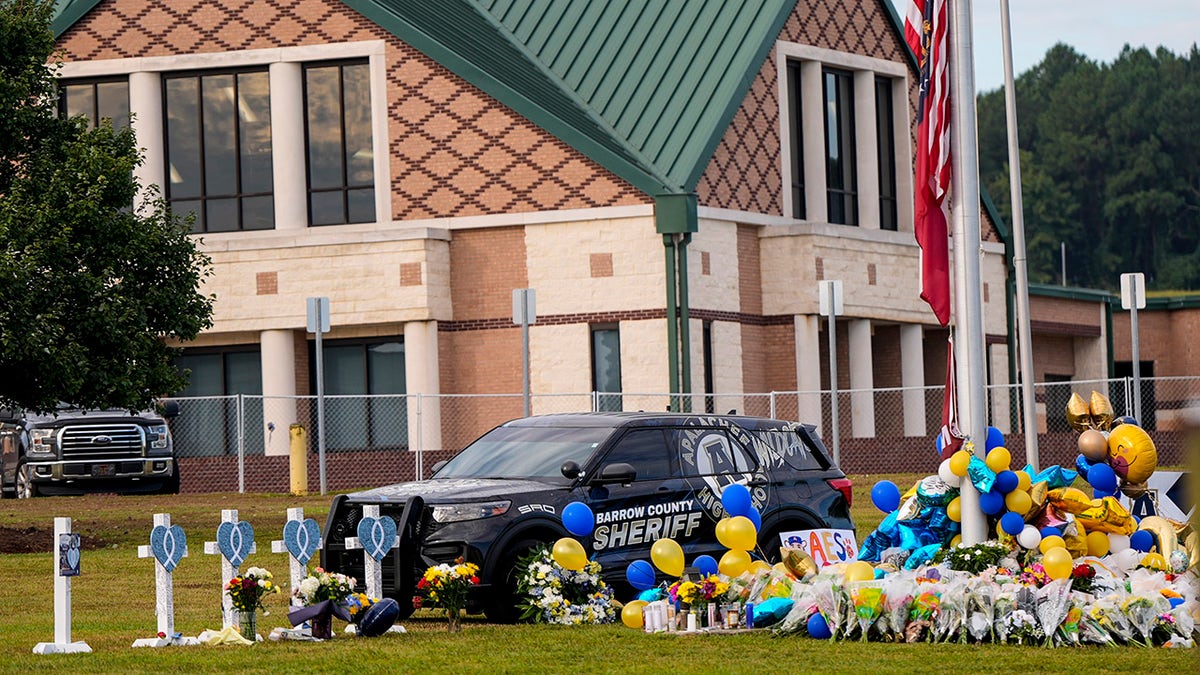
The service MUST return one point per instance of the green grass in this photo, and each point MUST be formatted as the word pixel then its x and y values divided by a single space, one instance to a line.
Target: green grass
pixel 114 605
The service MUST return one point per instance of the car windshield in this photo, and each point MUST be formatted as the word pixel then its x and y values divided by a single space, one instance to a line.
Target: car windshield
pixel 537 453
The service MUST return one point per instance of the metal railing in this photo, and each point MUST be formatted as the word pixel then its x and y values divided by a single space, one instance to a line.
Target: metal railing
pixel 241 442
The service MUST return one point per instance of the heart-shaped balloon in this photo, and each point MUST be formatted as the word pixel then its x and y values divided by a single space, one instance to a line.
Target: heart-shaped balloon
pixel 302 538
pixel 377 536
pixel 169 545
pixel 235 541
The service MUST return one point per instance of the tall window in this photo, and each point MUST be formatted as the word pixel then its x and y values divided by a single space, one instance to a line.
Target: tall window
pixel 606 367
pixel 885 135
pixel 354 369
pixel 218 128
pixel 797 135
pixel 840 165
pixel 341 174
pixel 106 99
pixel 207 424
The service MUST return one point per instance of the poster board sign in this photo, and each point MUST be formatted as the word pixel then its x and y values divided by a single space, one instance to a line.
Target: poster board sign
pixel 1167 495
pixel 827 546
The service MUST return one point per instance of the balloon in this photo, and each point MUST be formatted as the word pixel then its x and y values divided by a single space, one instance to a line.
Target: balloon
pixel 959 462
pixel 706 564
pixel 818 628
pixel 991 503
pixel 736 499
pixel 860 571
pixel 759 566
pixel 885 496
pixel 1018 501
pixel 954 510
pixel 1097 544
pixel 1029 537
pixel 734 563
pixel 1154 561
pixel 739 533
pixel 1050 531
pixel 723 535
pixel 955 540
pixel 1024 480
pixel 569 554
pixel 1131 453
pixel 1102 478
pixel 578 519
pixel 1093 446
pixel 1142 540
pixel 756 518
pixel 667 556
pixel 1117 542
pixel 995 439
pixel 640 575
pixel 998 459
pixel 1012 523
pixel 946 473
pixel 1123 419
pixel 1057 562
pixel 1051 542
pixel 631 613
pixel 1006 482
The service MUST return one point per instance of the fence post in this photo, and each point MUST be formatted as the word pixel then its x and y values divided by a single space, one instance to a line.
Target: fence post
pixel 772 399
pixel 241 442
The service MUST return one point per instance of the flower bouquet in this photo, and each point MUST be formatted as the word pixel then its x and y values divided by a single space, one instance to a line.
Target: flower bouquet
pixel 323 596
pixel 446 586
pixel 246 592
pixel 555 595
pixel 867 599
pixel 707 589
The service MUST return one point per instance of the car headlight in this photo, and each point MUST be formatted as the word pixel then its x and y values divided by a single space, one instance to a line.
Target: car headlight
pixel 453 513
pixel 41 441
pixel 158 437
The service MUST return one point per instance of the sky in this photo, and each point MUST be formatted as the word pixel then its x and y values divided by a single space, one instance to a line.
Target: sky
pixel 1098 29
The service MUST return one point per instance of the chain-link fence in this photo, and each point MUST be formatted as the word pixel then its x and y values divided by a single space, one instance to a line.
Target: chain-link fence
pixel 243 443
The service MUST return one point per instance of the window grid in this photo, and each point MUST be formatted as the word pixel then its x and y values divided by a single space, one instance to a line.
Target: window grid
pixel 106 98
pixel 841 166
pixel 885 134
pixel 799 205
pixel 347 186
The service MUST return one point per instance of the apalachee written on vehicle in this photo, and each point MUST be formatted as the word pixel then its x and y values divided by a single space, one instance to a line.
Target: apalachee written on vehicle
pixel 646 476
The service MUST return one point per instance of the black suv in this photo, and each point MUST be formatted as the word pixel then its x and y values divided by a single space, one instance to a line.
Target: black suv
pixel 645 476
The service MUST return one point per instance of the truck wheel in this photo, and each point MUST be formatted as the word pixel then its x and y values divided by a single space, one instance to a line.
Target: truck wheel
pixel 170 486
pixel 26 488
pixel 502 606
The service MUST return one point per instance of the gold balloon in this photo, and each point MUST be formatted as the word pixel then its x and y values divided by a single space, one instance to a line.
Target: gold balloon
pixel 800 564
pixel 1093 445
pixel 1102 411
pixel 1079 415
pixel 1071 500
pixel 1169 533
pixel 1131 453
pixel 1133 490
pixel 1107 516
pixel 1037 494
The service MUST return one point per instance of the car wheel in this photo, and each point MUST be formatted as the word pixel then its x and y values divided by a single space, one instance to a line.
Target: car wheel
pixel 26 488
pixel 502 607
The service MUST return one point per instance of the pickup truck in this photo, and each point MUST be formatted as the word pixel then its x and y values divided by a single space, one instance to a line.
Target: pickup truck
pixel 73 451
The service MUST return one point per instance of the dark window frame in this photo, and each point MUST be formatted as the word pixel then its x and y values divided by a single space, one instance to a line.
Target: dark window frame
pixel 345 188
pixel 796 129
pixel 885 142
pixel 370 413
pixel 841 179
pixel 94 82
pixel 614 401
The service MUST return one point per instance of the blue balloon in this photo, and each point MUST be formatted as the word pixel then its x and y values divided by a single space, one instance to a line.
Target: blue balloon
pixel 1142 540
pixel 885 496
pixel 756 518
pixel 1102 478
pixel 992 502
pixel 736 500
pixel 939 443
pixel 378 618
pixel 578 519
pixel 1082 465
pixel 818 628
pixel 1012 523
pixel 995 439
pixel 706 565
pixel 640 575
pixel 1123 419
pixel 651 595
pixel 1050 531
pixel 1006 482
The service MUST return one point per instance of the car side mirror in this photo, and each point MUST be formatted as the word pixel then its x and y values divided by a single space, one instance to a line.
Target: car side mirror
pixel 617 473
pixel 570 469
pixel 438 466
pixel 169 409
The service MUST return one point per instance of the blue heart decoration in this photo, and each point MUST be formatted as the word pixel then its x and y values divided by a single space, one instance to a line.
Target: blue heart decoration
pixel 377 535
pixel 73 553
pixel 169 545
pixel 301 537
pixel 235 539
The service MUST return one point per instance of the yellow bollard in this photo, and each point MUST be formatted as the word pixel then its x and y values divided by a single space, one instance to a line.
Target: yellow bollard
pixel 298 462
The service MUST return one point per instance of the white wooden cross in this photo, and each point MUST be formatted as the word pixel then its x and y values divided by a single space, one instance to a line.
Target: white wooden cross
pixel 235 540
pixel 300 544
pixel 381 538
pixel 66 565
pixel 168 546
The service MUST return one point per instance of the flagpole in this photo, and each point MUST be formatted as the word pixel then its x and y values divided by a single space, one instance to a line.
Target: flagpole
pixel 1020 262
pixel 968 299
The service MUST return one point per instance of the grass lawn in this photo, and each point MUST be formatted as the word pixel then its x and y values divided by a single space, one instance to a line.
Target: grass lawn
pixel 114 605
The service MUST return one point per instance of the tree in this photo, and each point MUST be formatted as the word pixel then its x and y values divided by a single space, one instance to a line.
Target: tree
pixel 92 292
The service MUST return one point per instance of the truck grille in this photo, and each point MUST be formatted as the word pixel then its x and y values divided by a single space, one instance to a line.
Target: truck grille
pixel 101 441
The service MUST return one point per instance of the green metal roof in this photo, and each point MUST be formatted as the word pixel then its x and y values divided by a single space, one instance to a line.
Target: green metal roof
pixel 67 12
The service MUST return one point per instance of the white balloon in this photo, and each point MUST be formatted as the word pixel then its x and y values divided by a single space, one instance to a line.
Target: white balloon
pixel 1029 537
pixel 949 477
pixel 1117 542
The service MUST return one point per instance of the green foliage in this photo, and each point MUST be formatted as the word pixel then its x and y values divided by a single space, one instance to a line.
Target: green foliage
pixel 92 292
pixel 1108 163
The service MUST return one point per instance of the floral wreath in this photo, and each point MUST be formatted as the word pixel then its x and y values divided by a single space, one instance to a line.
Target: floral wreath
pixel 554 595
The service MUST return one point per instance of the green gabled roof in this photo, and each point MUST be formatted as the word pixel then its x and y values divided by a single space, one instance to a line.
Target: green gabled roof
pixel 67 12
pixel 644 87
